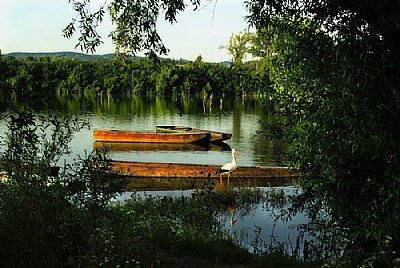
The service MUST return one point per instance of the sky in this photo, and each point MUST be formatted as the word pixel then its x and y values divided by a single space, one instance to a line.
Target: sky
pixel 36 26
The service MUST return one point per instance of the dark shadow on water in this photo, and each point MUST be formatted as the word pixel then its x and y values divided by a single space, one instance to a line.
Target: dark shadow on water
pixel 168 184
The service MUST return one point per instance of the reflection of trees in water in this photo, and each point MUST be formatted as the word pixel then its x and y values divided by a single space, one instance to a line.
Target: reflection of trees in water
pixel 313 240
pixel 268 141
pixel 317 239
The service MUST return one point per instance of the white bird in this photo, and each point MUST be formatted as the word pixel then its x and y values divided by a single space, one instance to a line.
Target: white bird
pixel 228 168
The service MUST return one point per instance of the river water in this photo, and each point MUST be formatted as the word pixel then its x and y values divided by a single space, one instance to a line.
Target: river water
pixel 238 116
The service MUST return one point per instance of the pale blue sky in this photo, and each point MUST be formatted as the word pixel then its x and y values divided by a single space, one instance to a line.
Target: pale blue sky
pixel 36 26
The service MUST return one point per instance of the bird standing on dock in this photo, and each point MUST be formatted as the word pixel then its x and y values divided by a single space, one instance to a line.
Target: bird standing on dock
pixel 228 168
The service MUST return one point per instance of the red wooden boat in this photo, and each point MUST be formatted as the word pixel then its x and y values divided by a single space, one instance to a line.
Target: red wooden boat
pixel 215 136
pixel 148 136
pixel 179 170
pixel 141 176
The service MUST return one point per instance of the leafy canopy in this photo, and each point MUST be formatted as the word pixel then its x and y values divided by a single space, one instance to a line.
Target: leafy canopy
pixel 135 23
pixel 334 73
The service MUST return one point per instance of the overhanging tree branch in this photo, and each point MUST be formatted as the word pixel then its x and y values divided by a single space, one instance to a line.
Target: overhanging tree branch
pixel 135 24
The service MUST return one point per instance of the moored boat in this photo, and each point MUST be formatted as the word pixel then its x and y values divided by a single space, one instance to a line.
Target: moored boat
pixel 215 136
pixel 179 170
pixel 150 137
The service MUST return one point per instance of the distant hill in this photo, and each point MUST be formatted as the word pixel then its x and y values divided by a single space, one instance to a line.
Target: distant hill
pixel 226 63
pixel 69 55
pixel 75 55
pixel 82 56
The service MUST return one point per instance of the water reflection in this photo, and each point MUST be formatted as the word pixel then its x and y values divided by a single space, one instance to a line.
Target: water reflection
pixel 254 222
pixel 152 147
pixel 259 228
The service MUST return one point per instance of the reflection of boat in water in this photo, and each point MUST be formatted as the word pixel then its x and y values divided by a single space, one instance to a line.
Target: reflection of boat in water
pixel 168 184
pixel 215 136
pixel 137 146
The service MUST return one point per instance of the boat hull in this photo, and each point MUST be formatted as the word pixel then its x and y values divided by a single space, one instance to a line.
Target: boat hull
pixel 178 170
pixel 215 136
pixel 149 137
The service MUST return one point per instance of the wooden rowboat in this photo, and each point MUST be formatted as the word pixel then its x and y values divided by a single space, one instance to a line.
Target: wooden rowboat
pixel 178 170
pixel 215 136
pixel 151 137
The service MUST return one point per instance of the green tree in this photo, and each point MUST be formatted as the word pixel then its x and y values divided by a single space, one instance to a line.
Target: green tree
pixel 334 74
pixel 42 76
pixel 238 47
pixel 167 80
pixel 22 81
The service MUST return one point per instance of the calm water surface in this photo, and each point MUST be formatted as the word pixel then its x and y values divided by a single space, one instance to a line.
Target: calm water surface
pixel 238 116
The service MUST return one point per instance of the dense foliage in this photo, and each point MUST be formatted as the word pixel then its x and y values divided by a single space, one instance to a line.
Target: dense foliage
pixel 335 74
pixel 41 76
pixel 48 220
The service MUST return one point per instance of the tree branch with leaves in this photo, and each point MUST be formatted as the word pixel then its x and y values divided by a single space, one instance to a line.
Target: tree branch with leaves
pixel 135 24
